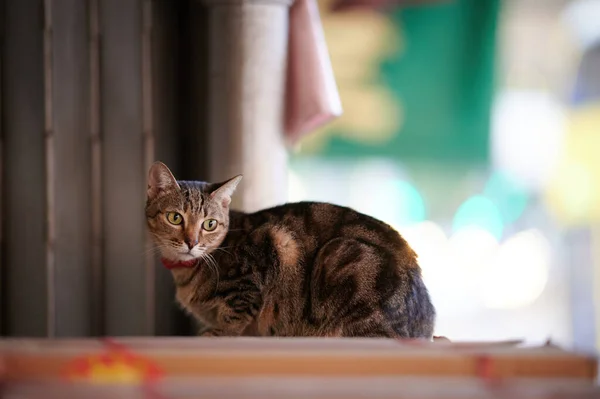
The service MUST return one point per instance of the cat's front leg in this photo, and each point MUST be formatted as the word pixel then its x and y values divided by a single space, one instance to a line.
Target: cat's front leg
pixel 230 329
pixel 213 332
pixel 237 312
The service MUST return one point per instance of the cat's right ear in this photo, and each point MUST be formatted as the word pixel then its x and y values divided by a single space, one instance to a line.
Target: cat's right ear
pixel 160 179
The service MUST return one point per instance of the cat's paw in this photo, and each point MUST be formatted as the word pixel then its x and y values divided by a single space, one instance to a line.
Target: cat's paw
pixel 211 333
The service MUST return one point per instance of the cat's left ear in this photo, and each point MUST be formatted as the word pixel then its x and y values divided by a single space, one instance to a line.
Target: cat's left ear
pixel 225 190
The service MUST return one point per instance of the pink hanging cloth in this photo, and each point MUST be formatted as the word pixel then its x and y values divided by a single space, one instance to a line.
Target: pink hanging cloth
pixel 343 5
pixel 312 97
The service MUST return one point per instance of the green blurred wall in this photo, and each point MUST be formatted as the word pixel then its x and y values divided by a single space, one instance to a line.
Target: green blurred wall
pixel 441 80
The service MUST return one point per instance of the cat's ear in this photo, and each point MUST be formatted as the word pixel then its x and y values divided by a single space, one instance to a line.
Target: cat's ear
pixel 160 179
pixel 225 190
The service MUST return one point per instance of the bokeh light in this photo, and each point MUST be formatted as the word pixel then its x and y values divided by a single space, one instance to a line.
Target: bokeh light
pixel 411 208
pixel 429 241
pixel 383 194
pixel 522 121
pixel 450 286
pixel 296 189
pixel 573 192
pixel 576 194
pixel 479 211
pixel 518 274
pixel 471 248
pixel 510 196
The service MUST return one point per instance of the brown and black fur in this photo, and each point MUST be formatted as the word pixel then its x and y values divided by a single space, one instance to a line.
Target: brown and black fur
pixel 299 269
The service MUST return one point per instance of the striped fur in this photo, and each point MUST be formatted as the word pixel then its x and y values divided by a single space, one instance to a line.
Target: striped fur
pixel 299 269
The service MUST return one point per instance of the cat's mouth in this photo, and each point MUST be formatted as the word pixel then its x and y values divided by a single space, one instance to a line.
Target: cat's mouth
pixel 188 255
pixel 193 253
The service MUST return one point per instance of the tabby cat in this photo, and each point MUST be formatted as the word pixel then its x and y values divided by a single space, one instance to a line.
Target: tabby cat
pixel 299 269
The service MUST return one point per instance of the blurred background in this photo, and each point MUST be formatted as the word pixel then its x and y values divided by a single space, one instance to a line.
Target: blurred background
pixel 471 126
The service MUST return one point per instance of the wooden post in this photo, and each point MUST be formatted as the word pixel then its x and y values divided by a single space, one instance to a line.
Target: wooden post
pixel 248 42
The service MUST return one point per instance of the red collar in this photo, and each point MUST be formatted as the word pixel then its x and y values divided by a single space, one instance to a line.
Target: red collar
pixel 169 264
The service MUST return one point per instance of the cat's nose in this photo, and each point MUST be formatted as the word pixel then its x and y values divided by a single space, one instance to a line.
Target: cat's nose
pixel 191 243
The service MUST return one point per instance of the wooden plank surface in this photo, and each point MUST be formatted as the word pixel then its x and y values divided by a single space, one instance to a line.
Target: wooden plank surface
pixel 246 357
pixel 316 388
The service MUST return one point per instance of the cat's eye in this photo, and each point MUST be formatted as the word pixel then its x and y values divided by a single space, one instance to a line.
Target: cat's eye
pixel 209 224
pixel 174 218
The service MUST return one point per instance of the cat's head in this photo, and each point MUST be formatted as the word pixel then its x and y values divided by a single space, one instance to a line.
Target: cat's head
pixel 187 218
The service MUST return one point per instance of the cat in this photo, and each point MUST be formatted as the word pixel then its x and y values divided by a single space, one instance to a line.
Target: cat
pixel 304 269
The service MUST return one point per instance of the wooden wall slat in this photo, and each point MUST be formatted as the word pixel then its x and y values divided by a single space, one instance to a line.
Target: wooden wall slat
pixel 123 168
pixel 97 232
pixel 148 148
pixel 50 182
pixel 24 189
pixel 68 171
pixel 2 247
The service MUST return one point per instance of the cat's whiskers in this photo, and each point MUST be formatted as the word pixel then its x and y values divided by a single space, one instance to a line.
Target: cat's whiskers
pixel 155 249
pixel 159 246
pixel 211 262
pixel 224 250
pixel 151 251
pixel 216 268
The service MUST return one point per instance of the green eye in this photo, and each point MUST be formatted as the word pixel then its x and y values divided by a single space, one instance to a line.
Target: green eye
pixel 174 218
pixel 209 224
